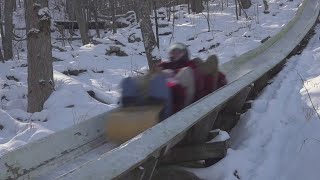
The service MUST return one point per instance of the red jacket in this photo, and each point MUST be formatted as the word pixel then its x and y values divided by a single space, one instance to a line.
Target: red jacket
pixel 204 83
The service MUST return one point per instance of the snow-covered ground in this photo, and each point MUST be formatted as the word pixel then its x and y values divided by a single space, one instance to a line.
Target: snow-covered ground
pixel 70 103
pixel 279 137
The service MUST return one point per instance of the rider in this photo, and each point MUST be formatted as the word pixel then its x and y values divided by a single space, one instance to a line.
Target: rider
pixel 176 83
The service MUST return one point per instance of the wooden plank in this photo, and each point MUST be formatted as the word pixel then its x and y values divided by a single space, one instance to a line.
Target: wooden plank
pixel 173 173
pixel 195 152
pixel 236 104
pixel 230 115
pixel 212 135
pixel 136 174
pixel 143 172
pixel 149 166
pixel 199 132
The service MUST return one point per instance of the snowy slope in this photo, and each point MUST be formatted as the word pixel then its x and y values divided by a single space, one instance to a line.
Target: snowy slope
pixel 71 104
pixel 279 137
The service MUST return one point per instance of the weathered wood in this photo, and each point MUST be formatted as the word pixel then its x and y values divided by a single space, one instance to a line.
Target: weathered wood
pixel 135 174
pixel 149 167
pixel 173 173
pixel 230 115
pixel 259 85
pixel 212 135
pixel 237 102
pixel 143 172
pixel 195 152
pixel 199 133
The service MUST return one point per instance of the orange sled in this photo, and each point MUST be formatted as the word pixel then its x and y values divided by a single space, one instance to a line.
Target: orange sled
pixel 126 123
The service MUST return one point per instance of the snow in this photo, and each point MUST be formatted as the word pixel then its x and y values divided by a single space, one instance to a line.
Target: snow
pixel 44 11
pixel 278 138
pixel 222 136
pixel 33 31
pixel 70 103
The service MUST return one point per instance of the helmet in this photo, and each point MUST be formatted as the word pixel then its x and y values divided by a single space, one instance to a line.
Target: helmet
pixel 178 51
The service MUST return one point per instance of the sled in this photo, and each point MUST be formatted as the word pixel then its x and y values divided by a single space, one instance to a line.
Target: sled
pixel 127 122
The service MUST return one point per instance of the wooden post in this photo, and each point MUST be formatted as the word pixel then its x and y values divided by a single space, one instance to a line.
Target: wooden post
pixel 199 133
pixel 143 172
pixel 172 173
pixel 195 152
pixel 229 116
pixel 149 166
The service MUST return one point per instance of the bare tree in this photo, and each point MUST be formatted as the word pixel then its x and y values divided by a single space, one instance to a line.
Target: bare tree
pixel 70 10
pixel 94 10
pixel 208 15
pixel 149 39
pixel 156 22
pixel 236 3
pixel 40 70
pixel 80 17
pixel 113 10
pixel 137 9
pixel 197 6
pixel 8 34
pixel 266 7
pixel 245 4
pixel 14 5
pixel 2 33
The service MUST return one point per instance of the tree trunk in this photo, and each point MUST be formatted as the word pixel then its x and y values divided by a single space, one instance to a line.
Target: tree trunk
pixel 240 8
pixel 236 3
pixel 7 39
pixel 83 25
pixel 156 22
pixel 149 40
pixel 208 16
pixel 95 15
pixel 266 7
pixel 2 35
pixel 70 10
pixel 14 5
pixel 197 6
pixel 40 70
pixel 246 4
pixel 113 10
pixel 137 10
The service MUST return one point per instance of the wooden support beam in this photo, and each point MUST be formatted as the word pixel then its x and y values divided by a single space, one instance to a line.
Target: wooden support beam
pixel 149 166
pixel 199 133
pixel 143 172
pixel 173 173
pixel 230 115
pixel 135 174
pixel 212 135
pixel 195 152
